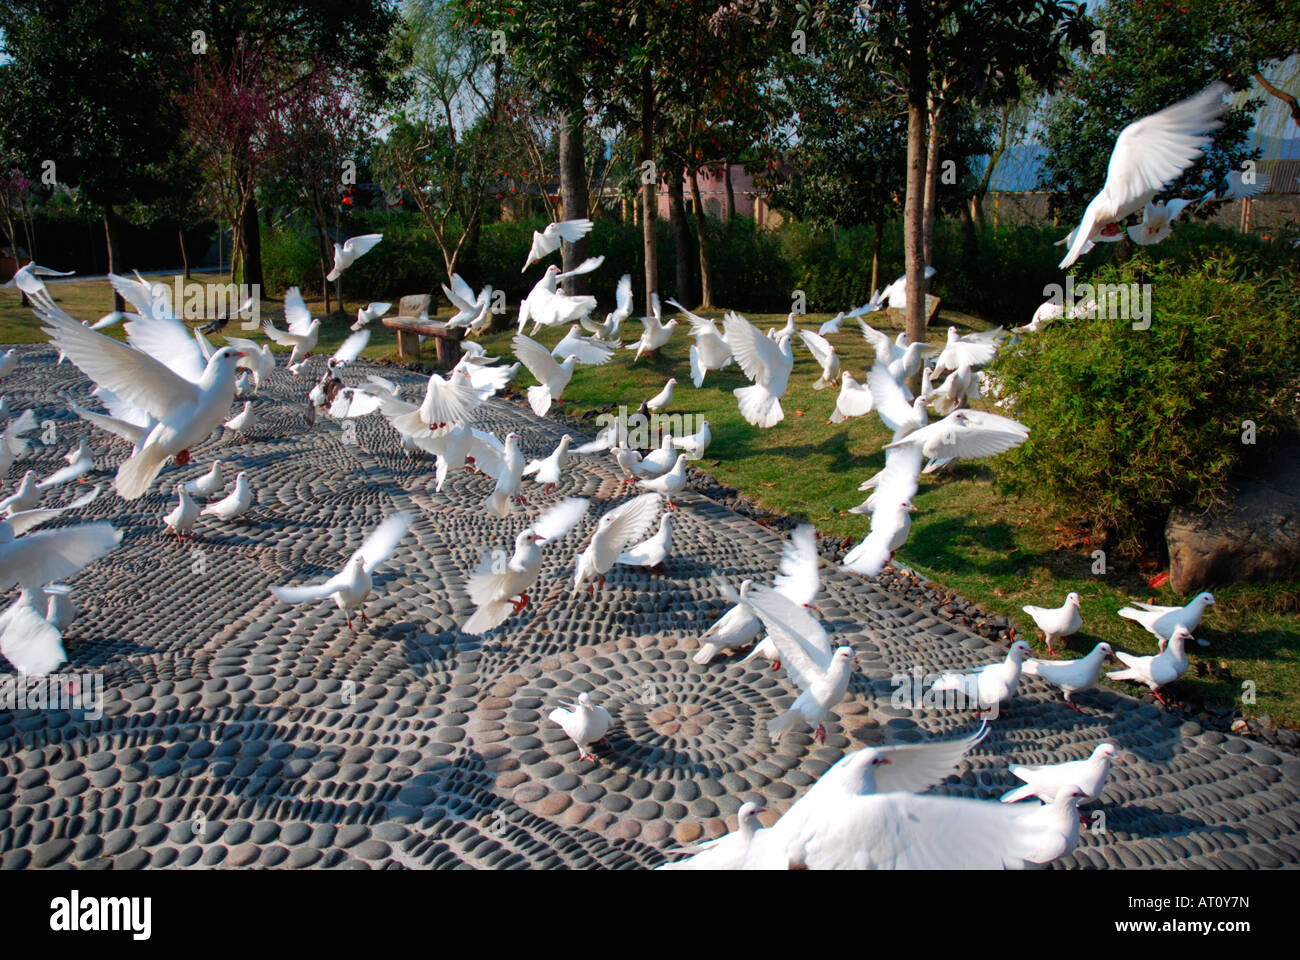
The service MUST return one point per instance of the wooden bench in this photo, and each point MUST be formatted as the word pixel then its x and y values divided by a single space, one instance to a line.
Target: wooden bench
pixel 412 323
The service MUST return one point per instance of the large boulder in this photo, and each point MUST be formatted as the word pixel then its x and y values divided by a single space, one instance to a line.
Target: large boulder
pixel 1255 538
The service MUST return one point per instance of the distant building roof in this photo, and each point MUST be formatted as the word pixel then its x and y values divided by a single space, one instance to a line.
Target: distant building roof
pixel 1017 171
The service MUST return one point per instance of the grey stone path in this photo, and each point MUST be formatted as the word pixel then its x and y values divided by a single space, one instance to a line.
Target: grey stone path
pixel 240 731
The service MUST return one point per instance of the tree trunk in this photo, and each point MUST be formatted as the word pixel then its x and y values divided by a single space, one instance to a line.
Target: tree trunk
pixel 682 249
pixel 914 206
pixel 251 241
pixel 729 197
pixel 702 236
pixel 185 257
pixel 977 210
pixel 573 195
pixel 110 238
pixel 932 182
pixel 968 243
pixel 649 212
pixel 875 256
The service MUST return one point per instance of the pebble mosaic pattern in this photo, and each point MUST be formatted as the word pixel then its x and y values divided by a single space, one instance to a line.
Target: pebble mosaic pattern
pixel 239 731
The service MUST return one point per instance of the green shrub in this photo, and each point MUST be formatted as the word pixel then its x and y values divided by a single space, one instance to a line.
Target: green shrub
pixel 290 259
pixel 1126 424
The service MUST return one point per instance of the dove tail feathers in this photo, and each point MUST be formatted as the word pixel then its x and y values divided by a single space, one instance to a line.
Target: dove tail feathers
pixel 759 407
pixel 487 616
pixel 539 398
pixel 779 725
pixel 1019 793
pixel 706 653
pixel 136 474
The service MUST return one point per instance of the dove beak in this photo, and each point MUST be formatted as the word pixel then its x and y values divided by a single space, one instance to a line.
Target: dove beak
pixel 240 354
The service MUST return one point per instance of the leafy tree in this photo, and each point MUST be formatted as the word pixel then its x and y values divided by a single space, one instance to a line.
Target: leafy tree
pixel 1152 56
pixel 87 86
pixel 932 55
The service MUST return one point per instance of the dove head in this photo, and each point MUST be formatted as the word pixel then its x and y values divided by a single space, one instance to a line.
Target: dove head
pixel 1205 599
pixel 747 815
pixel 845 654
pixel 859 770
pixel 1072 599
pixel 1019 650
pixel 584 701
pixel 1068 796
pixel 1180 636
pixel 1105 649
pixel 570 362
pixel 672 382
pixel 1107 750
pixel 908 505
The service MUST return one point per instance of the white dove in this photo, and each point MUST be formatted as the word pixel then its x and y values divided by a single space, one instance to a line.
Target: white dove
pixel 1159 670
pixel 660 461
pixel 24 520
pixel 609 330
pixel 303 331
pixel 35 559
pixel 1162 621
pixel 187 411
pixel 1157 221
pixel 498 587
pixel 825 356
pixel 25 497
pixel 899 768
pixel 12 444
pixel 959 352
pixel 1047 780
pixel 1148 154
pixel 242 422
pixel 352 585
pixel 60 611
pixel 1057 622
pixel 585 350
pixel 346 254
pixel 584 722
pixel 727 852
pixel 27 640
pixel 710 350
pixel 966 434
pixel 652 552
pixel 696 443
pixel 656 332
pixel 889 398
pixel 822 674
pixel 798 580
pixel 258 360
pixel 471 310
pixel 184 515
pixel 895 295
pixel 551 377
pixel 509 480
pixel 891 522
pixel 548 240
pixel 372 311
pixel 738 627
pixel 989 686
pixel 208 484
pixel 546 306
pixel 670 483
pixel 233 504
pixel 662 400
pixel 548 469
pixel 854 399
pixel 767 363
pixel 624 525
pixel 1072 676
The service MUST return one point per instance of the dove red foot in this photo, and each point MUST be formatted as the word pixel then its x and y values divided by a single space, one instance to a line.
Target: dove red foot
pixel 820 734
pixel 520 603
pixel 183 458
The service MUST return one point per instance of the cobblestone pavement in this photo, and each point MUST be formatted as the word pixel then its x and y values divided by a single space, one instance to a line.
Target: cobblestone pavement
pixel 238 731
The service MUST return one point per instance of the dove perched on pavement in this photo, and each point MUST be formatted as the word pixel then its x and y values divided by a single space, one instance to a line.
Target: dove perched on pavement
pixel 584 722
pixel 1071 676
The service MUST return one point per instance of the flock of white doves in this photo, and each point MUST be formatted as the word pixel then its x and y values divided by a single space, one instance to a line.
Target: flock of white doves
pixel 167 388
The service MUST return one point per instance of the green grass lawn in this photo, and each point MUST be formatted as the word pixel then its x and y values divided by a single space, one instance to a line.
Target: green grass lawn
pixel 998 552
